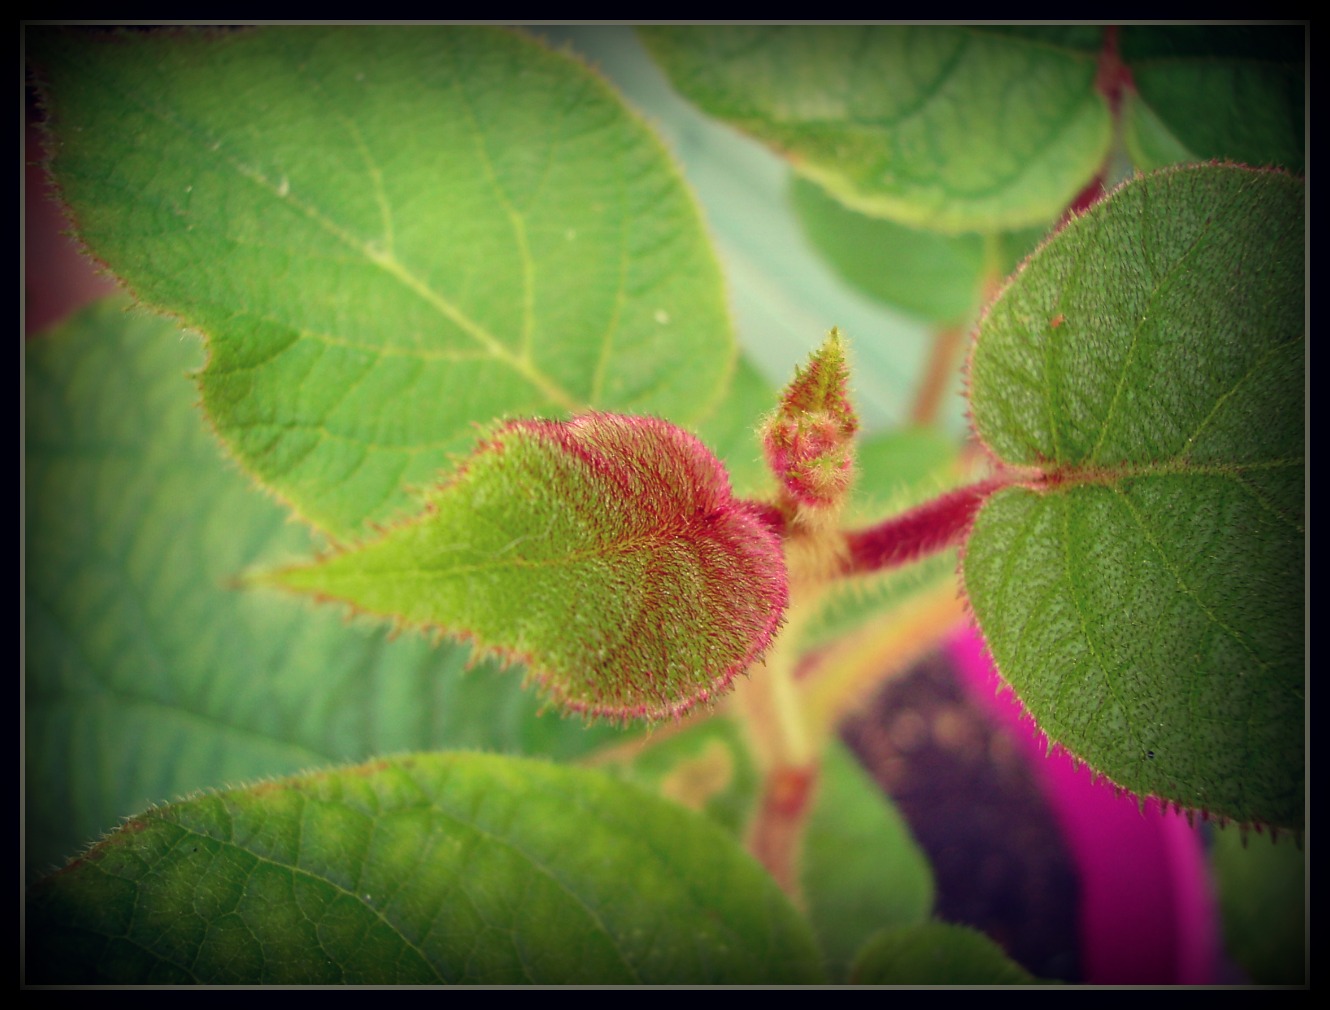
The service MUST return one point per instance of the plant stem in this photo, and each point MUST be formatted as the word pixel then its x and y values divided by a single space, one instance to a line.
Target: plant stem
pixel 771 711
pixel 936 525
pixel 938 374
pixel 775 835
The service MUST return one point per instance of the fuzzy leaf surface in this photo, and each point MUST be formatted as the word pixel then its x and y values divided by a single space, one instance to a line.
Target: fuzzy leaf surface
pixel 1143 590
pixel 955 129
pixel 1216 92
pixel 387 234
pixel 149 674
pixel 606 552
pixel 439 868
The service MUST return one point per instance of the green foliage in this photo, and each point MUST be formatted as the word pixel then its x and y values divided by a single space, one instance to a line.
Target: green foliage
pixel 424 869
pixel 861 871
pixel 1216 92
pixel 926 273
pixel 605 552
pixel 387 235
pixel 1263 901
pixel 936 953
pixel 956 129
pixel 1143 592
pixel 149 675
pixel 393 241
pixel 707 767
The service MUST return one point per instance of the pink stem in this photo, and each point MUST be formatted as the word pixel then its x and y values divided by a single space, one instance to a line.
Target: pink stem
pixel 935 525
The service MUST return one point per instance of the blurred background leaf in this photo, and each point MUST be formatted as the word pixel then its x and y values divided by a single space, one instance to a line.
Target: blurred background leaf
pixel 149 674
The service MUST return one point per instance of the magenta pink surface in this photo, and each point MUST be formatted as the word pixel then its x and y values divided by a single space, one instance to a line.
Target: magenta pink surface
pixel 1148 911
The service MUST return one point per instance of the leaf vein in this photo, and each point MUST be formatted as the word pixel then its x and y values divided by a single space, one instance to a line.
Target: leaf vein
pixel 1232 390
pixel 1187 590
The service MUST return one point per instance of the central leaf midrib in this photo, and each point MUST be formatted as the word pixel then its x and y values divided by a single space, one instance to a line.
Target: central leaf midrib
pixel 646 544
pixel 1056 478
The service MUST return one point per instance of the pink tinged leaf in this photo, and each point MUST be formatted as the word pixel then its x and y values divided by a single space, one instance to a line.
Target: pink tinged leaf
pixel 606 552
pixel 809 441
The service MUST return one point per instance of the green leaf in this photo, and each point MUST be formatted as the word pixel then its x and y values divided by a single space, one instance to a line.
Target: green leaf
pixel 1216 92
pixel 148 673
pixel 935 277
pixel 956 129
pixel 1141 586
pixel 1263 902
pixel 387 234
pixel 606 552
pixel 862 870
pixel 442 868
pixel 936 953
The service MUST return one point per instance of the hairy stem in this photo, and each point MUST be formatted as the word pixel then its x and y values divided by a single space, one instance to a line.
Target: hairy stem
pixel 936 525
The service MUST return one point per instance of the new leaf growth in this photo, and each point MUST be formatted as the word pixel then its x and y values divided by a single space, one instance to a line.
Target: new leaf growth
pixel 605 552
pixel 809 441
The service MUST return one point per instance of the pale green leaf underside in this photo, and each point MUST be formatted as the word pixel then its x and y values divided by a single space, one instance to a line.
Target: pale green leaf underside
pixel 387 234
pixel 955 129
pixel 936 953
pixel 440 868
pixel 932 276
pixel 1147 602
pixel 148 674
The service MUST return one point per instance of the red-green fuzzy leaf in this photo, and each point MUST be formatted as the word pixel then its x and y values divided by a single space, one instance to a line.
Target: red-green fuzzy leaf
pixel 606 552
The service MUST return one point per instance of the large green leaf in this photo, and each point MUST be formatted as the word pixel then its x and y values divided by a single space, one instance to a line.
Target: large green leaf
pixel 950 128
pixel 148 674
pixel 1141 585
pixel 386 235
pixel 426 869
pixel 1202 92
pixel 606 552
